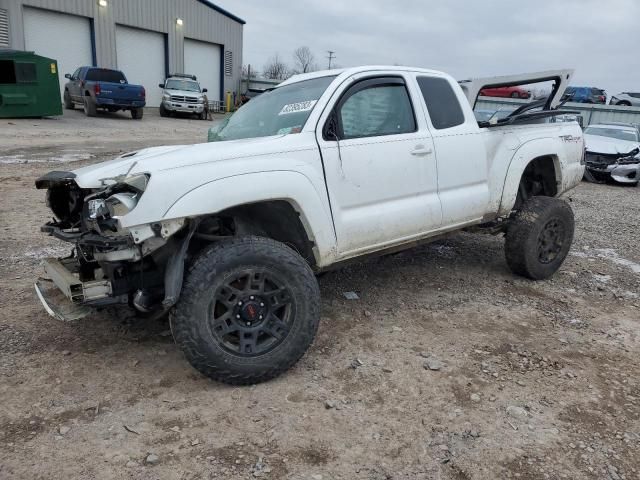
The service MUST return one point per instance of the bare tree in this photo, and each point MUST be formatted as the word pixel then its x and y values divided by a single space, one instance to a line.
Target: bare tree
pixel 249 72
pixel 275 69
pixel 304 60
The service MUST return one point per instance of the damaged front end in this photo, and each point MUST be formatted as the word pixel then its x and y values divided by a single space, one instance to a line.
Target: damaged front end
pixel 605 167
pixel 110 264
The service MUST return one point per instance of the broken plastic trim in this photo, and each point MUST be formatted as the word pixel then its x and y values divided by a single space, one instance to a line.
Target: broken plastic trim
pixel 174 273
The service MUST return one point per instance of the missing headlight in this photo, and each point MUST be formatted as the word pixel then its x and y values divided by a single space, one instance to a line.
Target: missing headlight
pixel 120 204
pixel 97 208
pixel 138 181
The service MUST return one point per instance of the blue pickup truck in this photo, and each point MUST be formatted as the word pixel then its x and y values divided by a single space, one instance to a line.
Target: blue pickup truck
pixel 95 88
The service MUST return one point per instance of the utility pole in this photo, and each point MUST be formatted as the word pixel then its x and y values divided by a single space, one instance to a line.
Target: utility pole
pixel 331 56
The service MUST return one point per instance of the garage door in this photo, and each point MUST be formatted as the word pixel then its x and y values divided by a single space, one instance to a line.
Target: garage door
pixel 65 38
pixel 141 56
pixel 203 60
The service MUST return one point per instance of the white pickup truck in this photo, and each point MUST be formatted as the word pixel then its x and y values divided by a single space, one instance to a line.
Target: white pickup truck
pixel 327 167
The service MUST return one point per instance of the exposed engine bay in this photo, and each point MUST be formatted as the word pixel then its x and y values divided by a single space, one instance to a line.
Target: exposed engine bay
pixel 141 266
pixel 604 167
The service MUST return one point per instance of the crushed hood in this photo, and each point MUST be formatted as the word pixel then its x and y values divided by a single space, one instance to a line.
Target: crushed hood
pixel 156 159
pixel 608 146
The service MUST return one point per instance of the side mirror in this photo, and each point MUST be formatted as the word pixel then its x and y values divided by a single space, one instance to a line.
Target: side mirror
pixel 161 85
pixel 67 75
pixel 204 90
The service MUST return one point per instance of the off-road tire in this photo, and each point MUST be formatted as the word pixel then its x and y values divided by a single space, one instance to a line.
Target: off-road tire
pixel 525 237
pixel 90 108
pixel 191 322
pixel 68 103
pixel 137 113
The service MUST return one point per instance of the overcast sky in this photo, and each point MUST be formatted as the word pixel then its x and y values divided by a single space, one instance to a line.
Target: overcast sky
pixel 466 38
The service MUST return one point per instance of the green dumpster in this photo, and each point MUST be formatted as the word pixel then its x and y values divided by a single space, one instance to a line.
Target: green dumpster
pixel 28 85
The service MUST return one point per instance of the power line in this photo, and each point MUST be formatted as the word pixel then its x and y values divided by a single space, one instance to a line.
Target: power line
pixel 331 56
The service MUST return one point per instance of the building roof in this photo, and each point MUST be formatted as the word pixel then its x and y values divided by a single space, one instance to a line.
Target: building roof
pixel 222 11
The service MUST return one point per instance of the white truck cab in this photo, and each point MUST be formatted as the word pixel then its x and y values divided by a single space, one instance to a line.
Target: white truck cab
pixel 327 167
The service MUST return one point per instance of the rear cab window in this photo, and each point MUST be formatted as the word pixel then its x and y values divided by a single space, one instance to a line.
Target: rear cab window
pixel 442 102
pixel 103 75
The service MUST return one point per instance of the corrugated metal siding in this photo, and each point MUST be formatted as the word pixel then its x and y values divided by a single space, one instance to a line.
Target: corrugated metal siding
pixel 199 22
pixel 591 113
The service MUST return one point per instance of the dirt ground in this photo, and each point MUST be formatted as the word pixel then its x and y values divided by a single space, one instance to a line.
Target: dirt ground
pixel 536 380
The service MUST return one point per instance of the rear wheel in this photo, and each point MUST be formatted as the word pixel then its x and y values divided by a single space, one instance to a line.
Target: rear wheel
pixel 136 113
pixel 68 103
pixel 539 237
pixel 90 109
pixel 248 311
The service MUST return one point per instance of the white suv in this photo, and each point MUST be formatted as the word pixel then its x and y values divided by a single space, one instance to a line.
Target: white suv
pixel 182 94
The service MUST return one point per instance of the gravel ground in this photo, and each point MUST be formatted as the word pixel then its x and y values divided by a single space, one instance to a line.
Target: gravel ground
pixel 446 367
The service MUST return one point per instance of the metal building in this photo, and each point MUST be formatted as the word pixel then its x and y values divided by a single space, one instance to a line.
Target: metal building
pixel 146 39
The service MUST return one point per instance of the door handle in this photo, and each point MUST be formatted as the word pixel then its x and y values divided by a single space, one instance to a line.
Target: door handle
pixel 420 150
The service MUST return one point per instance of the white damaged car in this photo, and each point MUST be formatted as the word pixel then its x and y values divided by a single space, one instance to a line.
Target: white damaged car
pixel 612 153
pixel 326 168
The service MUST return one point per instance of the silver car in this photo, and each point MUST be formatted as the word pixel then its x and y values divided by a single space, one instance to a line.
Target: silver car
pixel 629 99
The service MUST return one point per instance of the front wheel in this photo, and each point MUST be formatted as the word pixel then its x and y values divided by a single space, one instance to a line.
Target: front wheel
pixel 248 311
pixel 68 103
pixel 539 237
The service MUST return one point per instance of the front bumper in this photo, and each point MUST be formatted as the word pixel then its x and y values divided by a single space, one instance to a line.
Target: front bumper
pixel 63 274
pixel 64 296
pixel 628 173
pixel 57 305
pixel 183 107
pixel 621 168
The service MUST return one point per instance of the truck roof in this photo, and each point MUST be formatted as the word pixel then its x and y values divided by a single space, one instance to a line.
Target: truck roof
pixel 350 71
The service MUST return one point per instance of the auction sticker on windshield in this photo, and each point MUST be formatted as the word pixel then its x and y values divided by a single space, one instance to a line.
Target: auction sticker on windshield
pixel 297 107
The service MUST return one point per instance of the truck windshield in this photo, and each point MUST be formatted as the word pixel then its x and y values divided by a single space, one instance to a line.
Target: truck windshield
pixel 187 85
pixel 278 112
pixel 104 75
